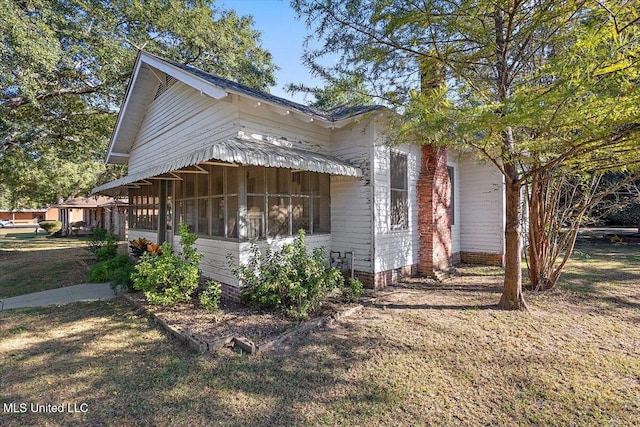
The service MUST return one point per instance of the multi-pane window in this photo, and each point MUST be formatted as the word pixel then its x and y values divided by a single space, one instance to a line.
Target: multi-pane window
pixel 399 191
pixel 279 202
pixel 286 201
pixel 144 206
pixel 208 201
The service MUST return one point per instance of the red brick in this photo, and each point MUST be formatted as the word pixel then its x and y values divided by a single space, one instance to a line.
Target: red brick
pixel 434 204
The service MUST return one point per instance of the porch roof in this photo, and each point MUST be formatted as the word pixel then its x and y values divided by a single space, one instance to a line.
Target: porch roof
pixel 244 151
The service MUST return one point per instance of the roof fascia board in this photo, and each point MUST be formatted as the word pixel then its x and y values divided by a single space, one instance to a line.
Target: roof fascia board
pixel 197 83
pixel 121 113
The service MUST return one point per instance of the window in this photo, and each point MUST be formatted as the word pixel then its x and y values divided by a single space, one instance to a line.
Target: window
pixel 452 195
pixel 399 191
pixel 279 202
pixel 208 202
pixel 296 200
pixel 144 206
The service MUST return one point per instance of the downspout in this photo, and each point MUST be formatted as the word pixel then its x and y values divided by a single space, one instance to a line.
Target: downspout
pixel 372 181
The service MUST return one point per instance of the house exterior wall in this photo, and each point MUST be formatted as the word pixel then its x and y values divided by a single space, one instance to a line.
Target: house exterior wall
pixel 27 216
pixel 452 161
pixel 178 122
pixel 215 262
pixel 481 209
pixel 150 235
pixel 352 198
pixel 266 122
pixel 396 250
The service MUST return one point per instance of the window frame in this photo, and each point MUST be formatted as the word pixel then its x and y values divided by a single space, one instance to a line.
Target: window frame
pixel 399 222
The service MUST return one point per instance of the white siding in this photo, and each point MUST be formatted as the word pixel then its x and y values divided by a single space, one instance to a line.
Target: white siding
pixel 312 242
pixel 452 161
pixel 215 264
pixel 351 198
pixel 289 129
pixel 394 248
pixel 152 236
pixel 179 122
pixel 481 208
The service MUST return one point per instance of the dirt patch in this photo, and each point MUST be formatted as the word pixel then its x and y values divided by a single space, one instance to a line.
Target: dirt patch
pixel 232 320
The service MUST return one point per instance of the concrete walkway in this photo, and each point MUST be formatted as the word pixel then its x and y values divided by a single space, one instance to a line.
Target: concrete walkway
pixel 75 293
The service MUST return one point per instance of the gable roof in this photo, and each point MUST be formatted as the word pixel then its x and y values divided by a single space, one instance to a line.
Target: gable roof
pixel 144 82
pixel 336 114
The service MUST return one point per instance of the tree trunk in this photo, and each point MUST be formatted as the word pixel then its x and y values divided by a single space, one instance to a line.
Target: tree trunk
pixel 512 297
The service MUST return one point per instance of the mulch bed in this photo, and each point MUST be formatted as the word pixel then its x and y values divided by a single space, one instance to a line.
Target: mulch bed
pixel 232 320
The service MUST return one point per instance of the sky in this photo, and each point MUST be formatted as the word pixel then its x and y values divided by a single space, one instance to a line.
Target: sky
pixel 282 35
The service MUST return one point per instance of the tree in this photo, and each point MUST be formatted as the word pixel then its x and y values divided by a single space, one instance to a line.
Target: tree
pixel 336 93
pixel 65 68
pixel 529 85
pixel 558 201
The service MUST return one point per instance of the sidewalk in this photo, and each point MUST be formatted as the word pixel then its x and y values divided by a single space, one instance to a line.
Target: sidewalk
pixel 76 293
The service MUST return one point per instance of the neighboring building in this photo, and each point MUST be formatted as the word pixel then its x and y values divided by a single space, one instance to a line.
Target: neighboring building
pixel 237 164
pixel 87 213
pixel 28 216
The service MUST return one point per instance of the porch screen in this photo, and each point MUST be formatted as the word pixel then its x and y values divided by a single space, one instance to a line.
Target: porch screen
pixel 144 206
pixel 279 202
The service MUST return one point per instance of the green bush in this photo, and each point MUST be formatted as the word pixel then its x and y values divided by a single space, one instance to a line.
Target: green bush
pixel 352 290
pixel 168 278
pixel 210 297
pixel 117 270
pixel 103 244
pixel 625 216
pixel 50 227
pixel 291 279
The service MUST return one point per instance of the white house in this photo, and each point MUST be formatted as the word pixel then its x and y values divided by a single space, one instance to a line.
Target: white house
pixel 237 164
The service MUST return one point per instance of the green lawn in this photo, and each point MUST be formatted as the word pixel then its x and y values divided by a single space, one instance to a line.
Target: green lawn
pixel 31 262
pixel 417 354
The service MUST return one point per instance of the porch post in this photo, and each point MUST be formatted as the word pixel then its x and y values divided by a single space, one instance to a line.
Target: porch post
pixel 162 213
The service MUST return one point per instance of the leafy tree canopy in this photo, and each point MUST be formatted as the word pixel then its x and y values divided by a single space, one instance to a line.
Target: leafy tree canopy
pixel 336 93
pixel 564 76
pixel 532 86
pixel 65 68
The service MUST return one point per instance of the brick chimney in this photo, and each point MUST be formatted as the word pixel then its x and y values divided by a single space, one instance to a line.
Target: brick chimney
pixel 434 192
pixel 434 204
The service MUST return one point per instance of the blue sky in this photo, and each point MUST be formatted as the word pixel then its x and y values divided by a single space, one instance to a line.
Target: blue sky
pixel 282 35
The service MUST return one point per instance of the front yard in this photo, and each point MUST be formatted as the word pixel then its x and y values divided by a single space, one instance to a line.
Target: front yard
pixel 31 262
pixel 417 354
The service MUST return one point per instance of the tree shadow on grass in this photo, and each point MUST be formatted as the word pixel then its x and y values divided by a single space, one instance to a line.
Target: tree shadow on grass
pixel 129 373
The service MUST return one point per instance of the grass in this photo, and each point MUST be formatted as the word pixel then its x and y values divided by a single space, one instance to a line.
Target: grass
pixel 417 354
pixel 31 262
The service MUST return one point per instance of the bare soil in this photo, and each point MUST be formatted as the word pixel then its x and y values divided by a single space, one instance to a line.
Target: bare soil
pixel 233 319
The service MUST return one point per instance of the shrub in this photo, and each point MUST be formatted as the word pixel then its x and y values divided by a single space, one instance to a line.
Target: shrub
pixel 139 246
pixel 352 290
pixel 168 278
pixel 154 248
pixel 290 279
pixel 50 227
pixel 625 216
pixel 103 244
pixel 117 270
pixel 210 297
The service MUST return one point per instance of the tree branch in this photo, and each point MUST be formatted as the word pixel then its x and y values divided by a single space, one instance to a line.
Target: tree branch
pixel 18 101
